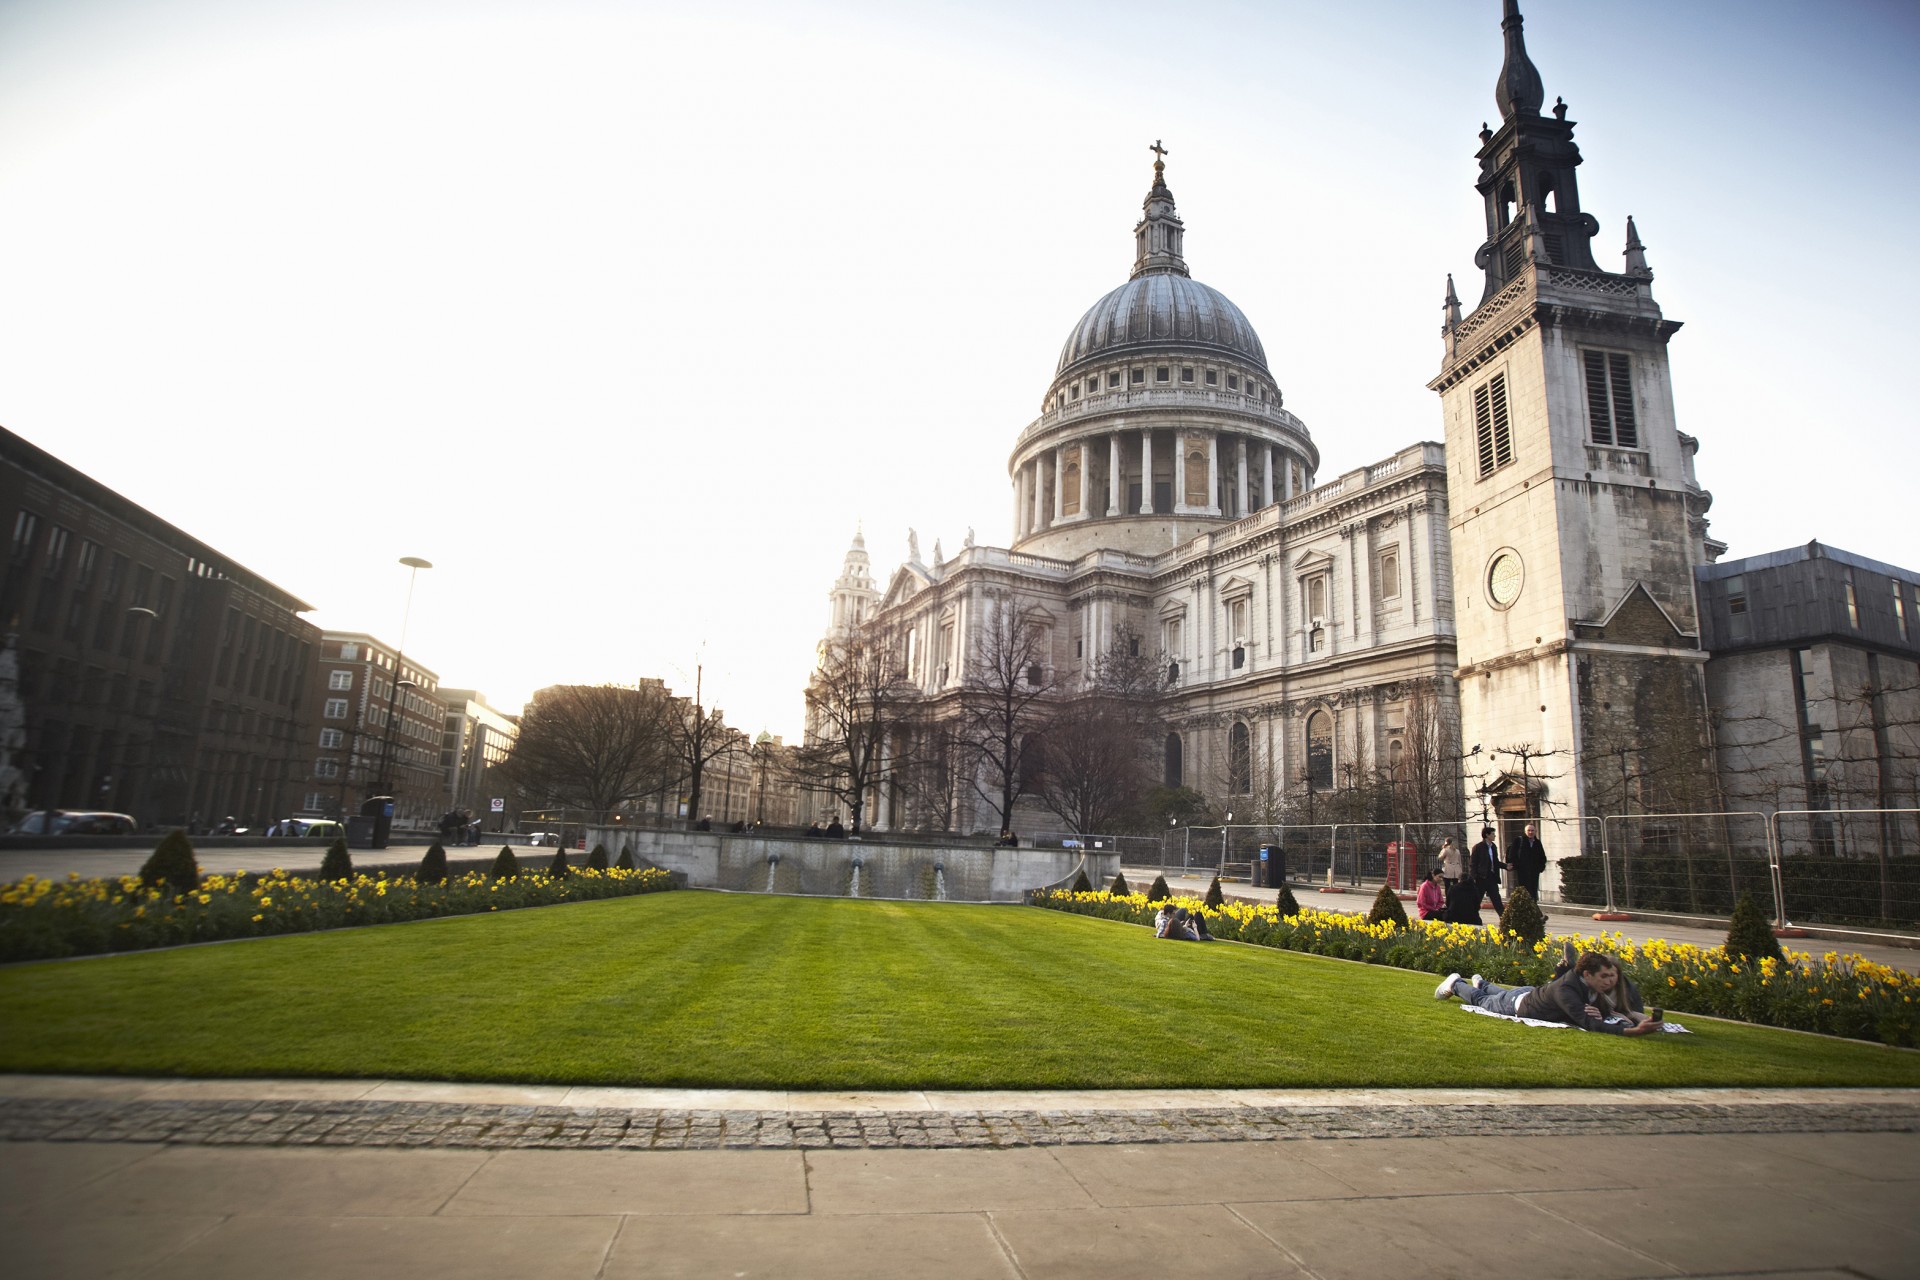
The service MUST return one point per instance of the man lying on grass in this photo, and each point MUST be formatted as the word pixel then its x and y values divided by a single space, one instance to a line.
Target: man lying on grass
pixel 1575 997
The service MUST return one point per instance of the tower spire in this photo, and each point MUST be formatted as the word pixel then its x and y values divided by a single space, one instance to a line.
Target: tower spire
pixel 1158 238
pixel 1519 90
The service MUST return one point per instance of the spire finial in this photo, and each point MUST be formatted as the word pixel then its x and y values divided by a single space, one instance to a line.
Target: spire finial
pixel 1636 252
pixel 1519 90
pixel 1452 304
pixel 1157 238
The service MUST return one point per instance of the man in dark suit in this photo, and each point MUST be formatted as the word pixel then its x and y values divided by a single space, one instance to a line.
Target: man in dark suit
pixel 1483 867
pixel 1528 858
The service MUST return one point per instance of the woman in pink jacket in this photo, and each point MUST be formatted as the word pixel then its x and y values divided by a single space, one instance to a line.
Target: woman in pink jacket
pixel 1432 898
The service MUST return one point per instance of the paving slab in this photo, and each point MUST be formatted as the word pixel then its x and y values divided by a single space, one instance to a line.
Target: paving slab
pixel 97 1248
pixel 38 1178
pixel 1144 1244
pixel 1880 1156
pixel 501 1248
pixel 637 1183
pixel 532 1095
pixel 955 1181
pixel 1119 1177
pixel 1451 1235
pixel 1671 1160
pixel 283 1182
pixel 1712 1230
pixel 938 1246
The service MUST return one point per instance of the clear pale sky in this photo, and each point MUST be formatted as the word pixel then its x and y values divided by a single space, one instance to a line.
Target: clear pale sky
pixel 625 314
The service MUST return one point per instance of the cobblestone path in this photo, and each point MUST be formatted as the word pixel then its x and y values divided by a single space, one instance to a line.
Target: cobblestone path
pixel 495 1126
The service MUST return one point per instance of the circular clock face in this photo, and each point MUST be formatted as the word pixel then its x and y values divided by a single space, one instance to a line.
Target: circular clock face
pixel 1504 576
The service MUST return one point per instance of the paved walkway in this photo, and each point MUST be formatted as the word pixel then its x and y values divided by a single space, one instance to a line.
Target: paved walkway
pixel 210 1179
pixel 1559 919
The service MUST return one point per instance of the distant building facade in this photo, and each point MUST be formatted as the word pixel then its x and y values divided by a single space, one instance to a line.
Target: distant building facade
pixel 381 724
pixel 476 740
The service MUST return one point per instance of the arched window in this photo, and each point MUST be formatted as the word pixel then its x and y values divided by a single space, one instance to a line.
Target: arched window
pixel 1173 770
pixel 1239 759
pixel 1320 751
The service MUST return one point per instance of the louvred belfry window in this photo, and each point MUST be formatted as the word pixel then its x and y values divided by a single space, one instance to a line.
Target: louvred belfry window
pixel 1610 400
pixel 1491 432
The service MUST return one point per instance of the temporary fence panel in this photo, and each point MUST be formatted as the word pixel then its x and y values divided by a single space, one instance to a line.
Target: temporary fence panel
pixel 1848 866
pixel 1687 863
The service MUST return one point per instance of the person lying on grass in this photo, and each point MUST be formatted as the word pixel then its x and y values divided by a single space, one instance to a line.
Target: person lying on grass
pixel 1580 998
pixel 1181 925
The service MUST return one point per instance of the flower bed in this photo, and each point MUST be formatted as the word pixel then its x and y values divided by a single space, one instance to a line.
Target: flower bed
pixel 1835 994
pixel 48 919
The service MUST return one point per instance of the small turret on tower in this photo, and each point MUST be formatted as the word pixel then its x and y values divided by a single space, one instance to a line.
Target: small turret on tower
pixel 1158 238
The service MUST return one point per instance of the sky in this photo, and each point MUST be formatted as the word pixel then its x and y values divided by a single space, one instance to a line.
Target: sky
pixel 627 315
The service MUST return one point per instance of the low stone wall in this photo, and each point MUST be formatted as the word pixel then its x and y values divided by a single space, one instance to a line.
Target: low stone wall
pixel 825 868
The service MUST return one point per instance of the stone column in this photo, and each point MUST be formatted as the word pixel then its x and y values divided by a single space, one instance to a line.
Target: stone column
pixel 1266 484
pixel 1059 488
pixel 1039 520
pixel 1179 473
pixel 1115 491
pixel 1086 480
pixel 1213 473
pixel 1240 453
pixel 1146 472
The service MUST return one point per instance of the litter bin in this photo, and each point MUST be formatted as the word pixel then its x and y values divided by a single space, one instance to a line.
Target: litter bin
pixel 359 832
pixel 380 809
pixel 1271 871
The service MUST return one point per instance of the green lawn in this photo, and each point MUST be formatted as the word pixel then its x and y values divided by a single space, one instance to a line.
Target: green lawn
pixel 702 989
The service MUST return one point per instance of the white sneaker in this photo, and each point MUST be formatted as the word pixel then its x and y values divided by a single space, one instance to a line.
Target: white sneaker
pixel 1445 989
pixel 1477 981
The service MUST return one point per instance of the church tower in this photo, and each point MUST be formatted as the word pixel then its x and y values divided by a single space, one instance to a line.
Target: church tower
pixel 1576 521
pixel 854 597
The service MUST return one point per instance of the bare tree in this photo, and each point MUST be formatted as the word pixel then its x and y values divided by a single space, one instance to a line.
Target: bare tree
pixel 858 698
pixel 1428 778
pixel 594 747
pixel 1009 676
pixel 1099 741
pixel 699 734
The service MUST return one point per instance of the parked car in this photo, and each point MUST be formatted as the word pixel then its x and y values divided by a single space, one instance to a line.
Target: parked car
pixel 544 837
pixel 76 822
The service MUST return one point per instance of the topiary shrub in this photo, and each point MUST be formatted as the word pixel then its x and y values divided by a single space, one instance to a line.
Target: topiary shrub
pixel 1749 935
pixel 1522 919
pixel 1387 909
pixel 1159 892
pixel 559 869
pixel 1080 882
pixel 506 866
pixel 172 864
pixel 338 864
pixel 626 860
pixel 1288 906
pixel 1119 888
pixel 1215 898
pixel 433 867
pixel 597 860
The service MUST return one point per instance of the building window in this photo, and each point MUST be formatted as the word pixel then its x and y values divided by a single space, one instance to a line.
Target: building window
pixel 58 540
pixel 1490 429
pixel 89 561
pixel 1610 400
pixel 1900 608
pixel 1738 625
pixel 1137 377
pixel 1233 382
pixel 1239 759
pixel 1113 380
pixel 1093 385
pixel 340 680
pixel 1320 751
pixel 324 768
pixel 1186 374
pixel 1171 636
pixel 1163 373
pixel 1313 598
pixel 1237 619
pixel 1213 377
pixel 1172 771
pixel 26 530
pixel 1853 605
pixel 1387 573
pixel 331 739
pixel 336 709
pixel 349 652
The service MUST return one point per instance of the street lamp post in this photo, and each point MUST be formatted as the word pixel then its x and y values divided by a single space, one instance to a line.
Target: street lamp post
pixel 414 565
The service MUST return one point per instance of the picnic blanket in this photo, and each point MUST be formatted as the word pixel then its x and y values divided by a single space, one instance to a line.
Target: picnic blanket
pixel 1674 1027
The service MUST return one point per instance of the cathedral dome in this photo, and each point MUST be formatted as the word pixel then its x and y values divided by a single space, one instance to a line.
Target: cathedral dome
pixel 1162 309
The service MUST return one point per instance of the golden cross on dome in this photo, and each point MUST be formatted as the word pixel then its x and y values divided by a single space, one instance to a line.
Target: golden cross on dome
pixel 1159 151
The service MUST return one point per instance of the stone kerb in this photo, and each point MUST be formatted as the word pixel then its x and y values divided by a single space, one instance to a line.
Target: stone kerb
pixel 786 864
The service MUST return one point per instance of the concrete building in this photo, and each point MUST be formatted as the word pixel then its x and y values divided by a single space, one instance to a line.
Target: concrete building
pixel 476 738
pixel 156 676
pixel 380 727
